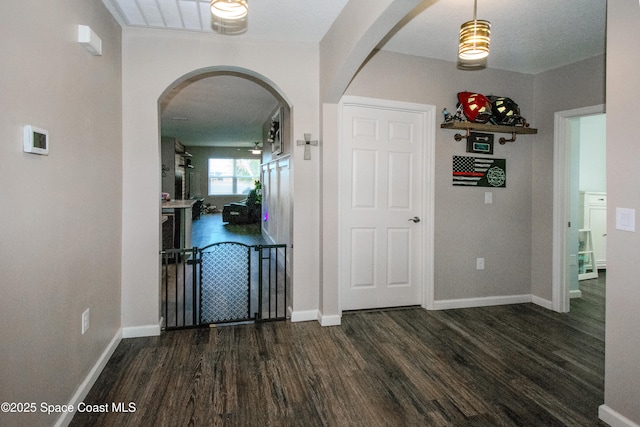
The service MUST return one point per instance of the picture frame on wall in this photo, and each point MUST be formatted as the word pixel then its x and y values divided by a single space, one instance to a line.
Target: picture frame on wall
pixel 275 133
pixel 481 143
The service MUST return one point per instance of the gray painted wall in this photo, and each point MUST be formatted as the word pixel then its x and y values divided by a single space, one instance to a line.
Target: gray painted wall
pixel 575 86
pixel 622 376
pixel 61 214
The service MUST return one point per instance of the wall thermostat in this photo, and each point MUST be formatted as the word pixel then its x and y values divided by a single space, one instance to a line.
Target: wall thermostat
pixel 36 140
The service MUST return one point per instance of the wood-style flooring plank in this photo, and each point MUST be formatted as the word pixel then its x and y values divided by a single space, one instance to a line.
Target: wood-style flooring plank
pixel 515 365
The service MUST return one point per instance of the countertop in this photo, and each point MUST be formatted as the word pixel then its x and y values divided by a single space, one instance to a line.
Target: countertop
pixel 178 204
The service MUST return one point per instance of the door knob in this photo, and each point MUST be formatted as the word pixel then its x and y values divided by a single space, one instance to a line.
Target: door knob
pixel 414 219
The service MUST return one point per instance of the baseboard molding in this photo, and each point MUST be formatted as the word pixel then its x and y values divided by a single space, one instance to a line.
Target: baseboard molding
pixel 142 331
pixel 329 320
pixel 92 376
pixel 575 294
pixel 613 418
pixel 309 315
pixel 545 303
pixel 304 316
pixel 480 302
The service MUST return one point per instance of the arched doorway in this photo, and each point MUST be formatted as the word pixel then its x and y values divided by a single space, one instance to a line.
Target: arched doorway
pixel 216 116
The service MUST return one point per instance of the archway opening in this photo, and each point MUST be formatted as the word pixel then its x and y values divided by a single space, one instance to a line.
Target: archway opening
pixel 224 170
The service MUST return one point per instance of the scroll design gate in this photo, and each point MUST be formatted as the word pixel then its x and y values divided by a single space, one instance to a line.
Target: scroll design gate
pixel 225 282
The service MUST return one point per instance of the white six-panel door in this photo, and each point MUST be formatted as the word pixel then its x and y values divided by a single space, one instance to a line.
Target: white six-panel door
pixel 381 207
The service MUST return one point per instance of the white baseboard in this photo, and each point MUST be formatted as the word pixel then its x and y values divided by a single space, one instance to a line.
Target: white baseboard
pixel 309 315
pixel 142 331
pixel 545 303
pixel 92 376
pixel 575 294
pixel 304 316
pixel 480 302
pixel 329 320
pixel 613 418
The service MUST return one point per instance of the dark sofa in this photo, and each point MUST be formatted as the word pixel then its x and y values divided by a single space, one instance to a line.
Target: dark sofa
pixel 244 212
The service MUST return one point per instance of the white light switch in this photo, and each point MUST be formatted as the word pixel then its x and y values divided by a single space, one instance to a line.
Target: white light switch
pixel 626 219
pixel 488 197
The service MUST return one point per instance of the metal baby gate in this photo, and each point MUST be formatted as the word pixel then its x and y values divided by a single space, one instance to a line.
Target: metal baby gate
pixel 226 282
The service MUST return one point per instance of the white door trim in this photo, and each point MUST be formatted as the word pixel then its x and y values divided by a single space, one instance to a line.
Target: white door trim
pixel 428 114
pixel 561 144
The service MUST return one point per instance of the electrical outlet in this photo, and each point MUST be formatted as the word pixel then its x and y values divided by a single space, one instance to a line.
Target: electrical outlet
pixel 479 263
pixel 85 321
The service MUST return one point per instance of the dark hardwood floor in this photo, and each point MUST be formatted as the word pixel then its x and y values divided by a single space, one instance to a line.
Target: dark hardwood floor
pixel 209 229
pixel 515 365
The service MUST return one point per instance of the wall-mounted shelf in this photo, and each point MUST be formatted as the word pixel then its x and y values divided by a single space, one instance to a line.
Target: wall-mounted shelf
pixel 484 127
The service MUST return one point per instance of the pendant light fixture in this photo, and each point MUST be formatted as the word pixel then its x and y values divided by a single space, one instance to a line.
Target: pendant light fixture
pixel 229 16
pixel 473 47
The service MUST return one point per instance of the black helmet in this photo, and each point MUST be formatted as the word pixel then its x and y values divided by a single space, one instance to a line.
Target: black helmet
pixel 504 111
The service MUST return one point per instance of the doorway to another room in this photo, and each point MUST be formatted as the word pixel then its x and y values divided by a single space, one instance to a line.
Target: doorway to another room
pixel 579 203
pixel 225 230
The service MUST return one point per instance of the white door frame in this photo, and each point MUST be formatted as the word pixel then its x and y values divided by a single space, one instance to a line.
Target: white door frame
pixel 561 165
pixel 428 113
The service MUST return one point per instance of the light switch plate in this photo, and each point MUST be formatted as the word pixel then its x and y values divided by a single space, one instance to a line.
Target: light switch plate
pixel 626 219
pixel 488 197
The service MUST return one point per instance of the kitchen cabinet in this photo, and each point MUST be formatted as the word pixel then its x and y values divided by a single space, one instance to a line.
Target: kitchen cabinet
pixel 178 224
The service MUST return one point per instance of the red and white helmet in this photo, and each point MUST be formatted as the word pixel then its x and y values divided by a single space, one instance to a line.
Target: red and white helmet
pixel 475 107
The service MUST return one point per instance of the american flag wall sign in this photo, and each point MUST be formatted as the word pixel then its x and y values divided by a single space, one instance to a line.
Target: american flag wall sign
pixel 479 172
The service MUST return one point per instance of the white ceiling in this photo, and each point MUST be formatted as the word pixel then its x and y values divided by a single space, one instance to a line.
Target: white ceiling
pixel 193 114
pixel 299 20
pixel 526 36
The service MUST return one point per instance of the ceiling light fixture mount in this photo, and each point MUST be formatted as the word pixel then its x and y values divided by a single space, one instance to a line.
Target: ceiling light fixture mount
pixel 229 16
pixel 473 46
pixel 256 149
